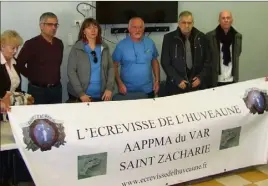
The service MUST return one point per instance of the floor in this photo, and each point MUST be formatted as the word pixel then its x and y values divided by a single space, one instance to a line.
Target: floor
pixel 255 176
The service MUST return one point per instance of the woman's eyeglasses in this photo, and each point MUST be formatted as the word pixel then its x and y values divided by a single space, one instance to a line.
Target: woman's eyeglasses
pixel 93 53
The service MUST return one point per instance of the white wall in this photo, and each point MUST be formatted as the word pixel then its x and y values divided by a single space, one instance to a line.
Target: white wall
pixel 249 19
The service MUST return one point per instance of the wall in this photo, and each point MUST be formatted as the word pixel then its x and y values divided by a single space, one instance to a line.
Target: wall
pixel 24 17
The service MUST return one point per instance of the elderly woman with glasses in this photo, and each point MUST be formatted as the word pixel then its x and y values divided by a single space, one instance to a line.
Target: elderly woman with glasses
pixel 90 68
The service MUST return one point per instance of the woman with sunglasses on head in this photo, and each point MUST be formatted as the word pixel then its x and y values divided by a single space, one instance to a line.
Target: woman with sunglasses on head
pixel 90 67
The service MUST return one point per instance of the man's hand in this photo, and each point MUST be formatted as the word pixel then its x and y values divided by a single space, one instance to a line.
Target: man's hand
pixel 122 88
pixel 156 87
pixel 85 98
pixel 183 84
pixel 107 96
pixel 266 78
pixel 196 82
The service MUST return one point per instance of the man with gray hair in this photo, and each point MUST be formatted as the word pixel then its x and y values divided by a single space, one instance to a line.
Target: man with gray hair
pixel 225 49
pixel 43 56
pixel 185 57
pixel 137 57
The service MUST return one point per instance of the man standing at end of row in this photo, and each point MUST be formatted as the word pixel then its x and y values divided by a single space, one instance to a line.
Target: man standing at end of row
pixel 225 49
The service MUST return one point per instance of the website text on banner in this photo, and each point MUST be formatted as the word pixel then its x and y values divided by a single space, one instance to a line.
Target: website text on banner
pixel 145 142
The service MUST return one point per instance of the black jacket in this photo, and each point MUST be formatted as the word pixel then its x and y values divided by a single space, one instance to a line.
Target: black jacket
pixel 5 82
pixel 173 57
pixel 214 46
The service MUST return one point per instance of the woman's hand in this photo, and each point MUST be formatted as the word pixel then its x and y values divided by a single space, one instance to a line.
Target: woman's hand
pixel 5 103
pixel 30 100
pixel 107 95
pixel 85 98
pixel 3 107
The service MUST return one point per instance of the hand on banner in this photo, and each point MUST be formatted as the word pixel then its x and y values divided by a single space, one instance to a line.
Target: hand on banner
pixel 30 100
pixel 122 88
pixel 3 108
pixel 196 82
pixel 156 87
pixel 5 103
pixel 107 96
pixel 182 84
pixel 85 98
pixel 266 78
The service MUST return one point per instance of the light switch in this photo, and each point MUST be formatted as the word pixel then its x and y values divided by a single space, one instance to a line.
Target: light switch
pixel 70 39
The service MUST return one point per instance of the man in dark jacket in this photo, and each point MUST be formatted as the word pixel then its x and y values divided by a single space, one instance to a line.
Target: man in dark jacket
pixel 225 48
pixel 185 57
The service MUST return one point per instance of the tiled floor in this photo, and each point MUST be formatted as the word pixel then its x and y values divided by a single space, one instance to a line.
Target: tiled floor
pixel 257 176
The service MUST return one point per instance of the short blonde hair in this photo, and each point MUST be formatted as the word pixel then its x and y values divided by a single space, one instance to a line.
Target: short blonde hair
pixel 11 37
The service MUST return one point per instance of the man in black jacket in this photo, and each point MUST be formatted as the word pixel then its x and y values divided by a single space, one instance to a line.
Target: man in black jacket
pixel 184 57
pixel 225 45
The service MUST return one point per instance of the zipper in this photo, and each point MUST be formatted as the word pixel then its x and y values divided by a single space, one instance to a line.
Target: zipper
pixel 89 68
pixel 185 66
pixel 198 43
pixel 102 68
pixel 234 55
pixel 176 50
pixel 195 45
pixel 102 72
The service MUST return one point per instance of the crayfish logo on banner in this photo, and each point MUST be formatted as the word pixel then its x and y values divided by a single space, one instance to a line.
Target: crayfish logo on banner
pixel 256 100
pixel 43 133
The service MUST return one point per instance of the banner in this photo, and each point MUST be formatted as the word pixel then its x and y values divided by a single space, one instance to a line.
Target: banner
pixel 160 141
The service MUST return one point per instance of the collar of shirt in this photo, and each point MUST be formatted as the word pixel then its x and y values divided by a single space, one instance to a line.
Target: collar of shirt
pixel 88 49
pixel 4 61
pixel 129 38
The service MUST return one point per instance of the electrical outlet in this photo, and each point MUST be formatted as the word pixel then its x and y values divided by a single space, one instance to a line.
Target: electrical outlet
pixel 78 21
pixel 86 8
pixel 70 39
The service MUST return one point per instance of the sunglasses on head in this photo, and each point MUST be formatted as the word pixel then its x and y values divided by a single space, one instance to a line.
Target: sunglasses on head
pixel 93 53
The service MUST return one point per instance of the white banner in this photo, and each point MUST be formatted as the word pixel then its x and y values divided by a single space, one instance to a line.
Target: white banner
pixel 145 142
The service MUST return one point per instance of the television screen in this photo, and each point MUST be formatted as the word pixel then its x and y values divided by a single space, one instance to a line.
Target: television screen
pixel 119 12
